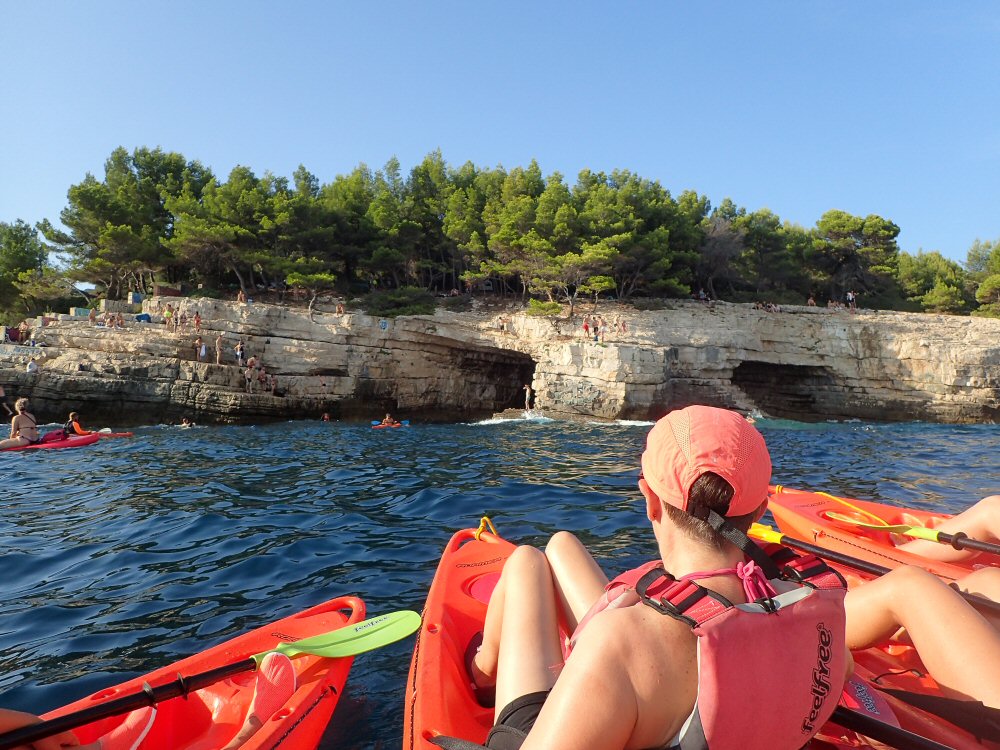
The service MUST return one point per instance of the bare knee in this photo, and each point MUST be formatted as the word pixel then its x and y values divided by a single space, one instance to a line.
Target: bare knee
pixel 526 561
pixel 561 544
pixel 989 506
pixel 910 583
pixel 983 582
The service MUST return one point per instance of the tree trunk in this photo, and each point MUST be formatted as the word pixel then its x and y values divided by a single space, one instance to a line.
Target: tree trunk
pixel 239 277
pixel 312 301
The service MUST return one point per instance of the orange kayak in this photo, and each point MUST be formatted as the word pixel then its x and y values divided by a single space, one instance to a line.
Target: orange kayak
pixel 439 699
pixel 824 519
pixel 210 717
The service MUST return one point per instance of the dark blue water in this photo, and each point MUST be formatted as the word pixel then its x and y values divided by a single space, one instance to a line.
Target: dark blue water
pixel 121 557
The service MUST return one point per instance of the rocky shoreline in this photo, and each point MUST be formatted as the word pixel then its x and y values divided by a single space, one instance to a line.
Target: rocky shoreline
pixel 801 363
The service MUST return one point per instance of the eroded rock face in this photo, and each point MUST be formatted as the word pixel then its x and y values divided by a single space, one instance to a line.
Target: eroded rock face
pixel 802 363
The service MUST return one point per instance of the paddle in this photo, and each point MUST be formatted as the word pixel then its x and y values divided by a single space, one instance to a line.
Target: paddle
pixel 961 540
pixel 349 640
pixel 767 534
pixel 880 731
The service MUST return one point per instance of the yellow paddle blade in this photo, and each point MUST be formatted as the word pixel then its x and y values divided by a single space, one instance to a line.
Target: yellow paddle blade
pixel 917 532
pixel 765 533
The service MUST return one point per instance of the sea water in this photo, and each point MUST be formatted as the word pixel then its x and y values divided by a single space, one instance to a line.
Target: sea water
pixel 123 556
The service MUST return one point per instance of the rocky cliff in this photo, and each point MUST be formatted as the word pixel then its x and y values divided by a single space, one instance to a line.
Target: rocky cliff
pixel 801 363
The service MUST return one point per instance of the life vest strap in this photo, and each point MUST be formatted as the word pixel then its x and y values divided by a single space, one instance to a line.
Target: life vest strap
pixel 686 601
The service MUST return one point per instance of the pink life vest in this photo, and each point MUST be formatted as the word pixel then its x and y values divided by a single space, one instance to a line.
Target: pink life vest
pixel 770 672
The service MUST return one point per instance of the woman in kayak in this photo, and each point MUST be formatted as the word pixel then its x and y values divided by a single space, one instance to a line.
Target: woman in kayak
pixel 23 427
pixel 389 420
pixel 636 678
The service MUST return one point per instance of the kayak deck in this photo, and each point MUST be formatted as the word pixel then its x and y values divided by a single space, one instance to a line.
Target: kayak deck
pixel 210 717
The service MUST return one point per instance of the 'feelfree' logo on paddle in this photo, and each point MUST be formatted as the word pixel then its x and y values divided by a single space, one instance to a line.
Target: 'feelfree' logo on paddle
pixel 820 677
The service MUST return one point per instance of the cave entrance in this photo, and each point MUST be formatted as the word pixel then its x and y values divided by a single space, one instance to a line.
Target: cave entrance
pixel 801 392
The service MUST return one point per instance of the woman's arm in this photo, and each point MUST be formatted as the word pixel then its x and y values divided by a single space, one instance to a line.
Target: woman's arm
pixel 10 720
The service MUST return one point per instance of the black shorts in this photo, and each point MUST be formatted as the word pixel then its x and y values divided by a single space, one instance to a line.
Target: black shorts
pixel 515 721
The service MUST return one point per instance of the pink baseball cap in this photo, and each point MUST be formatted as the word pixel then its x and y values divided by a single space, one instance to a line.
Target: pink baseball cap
pixel 697 439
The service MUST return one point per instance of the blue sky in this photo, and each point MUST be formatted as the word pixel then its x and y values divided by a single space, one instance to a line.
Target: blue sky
pixel 888 108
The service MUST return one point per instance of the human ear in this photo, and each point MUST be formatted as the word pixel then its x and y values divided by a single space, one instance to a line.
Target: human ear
pixel 654 508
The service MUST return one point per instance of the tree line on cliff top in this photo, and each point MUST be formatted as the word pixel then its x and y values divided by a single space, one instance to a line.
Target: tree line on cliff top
pixel 156 217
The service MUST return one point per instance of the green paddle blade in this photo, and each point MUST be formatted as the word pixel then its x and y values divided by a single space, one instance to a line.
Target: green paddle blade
pixel 351 640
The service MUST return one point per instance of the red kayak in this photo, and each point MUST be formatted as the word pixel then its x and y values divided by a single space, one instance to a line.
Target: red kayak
pixel 76 441
pixel 439 699
pixel 210 717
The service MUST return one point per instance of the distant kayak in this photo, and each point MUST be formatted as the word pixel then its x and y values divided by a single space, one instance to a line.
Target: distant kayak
pixel 77 441
pixel 380 426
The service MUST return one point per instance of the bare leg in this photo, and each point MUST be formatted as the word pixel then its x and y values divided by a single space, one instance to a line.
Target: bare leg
pixel 981 521
pixel 985 583
pixel 528 658
pixel 579 580
pixel 958 646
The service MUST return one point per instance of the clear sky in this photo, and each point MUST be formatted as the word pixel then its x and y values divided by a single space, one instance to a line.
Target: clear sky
pixel 891 108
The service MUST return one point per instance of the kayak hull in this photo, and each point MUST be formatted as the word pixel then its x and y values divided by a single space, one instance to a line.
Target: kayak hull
pixel 209 718
pixel 71 442
pixel 807 516
pixel 439 699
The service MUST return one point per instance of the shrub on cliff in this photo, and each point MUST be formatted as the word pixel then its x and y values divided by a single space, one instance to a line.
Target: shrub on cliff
pixel 543 308
pixel 406 300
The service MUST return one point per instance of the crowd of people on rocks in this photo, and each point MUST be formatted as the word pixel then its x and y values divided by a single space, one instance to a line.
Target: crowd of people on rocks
pixel 597 328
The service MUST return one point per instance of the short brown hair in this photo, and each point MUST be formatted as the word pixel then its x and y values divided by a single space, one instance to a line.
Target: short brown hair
pixel 713 492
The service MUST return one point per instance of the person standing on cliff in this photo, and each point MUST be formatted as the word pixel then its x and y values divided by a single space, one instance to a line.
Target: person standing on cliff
pixel 199 349
pixel 239 353
pixel 528 393
pixel 218 349
pixel 197 322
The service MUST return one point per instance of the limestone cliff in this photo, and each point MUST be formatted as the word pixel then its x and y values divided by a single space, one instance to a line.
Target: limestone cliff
pixel 802 363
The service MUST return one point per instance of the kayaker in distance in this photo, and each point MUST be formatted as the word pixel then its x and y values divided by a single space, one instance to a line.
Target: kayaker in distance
pixel 23 427
pixel 389 420
pixel 699 459
pixel 185 422
pixel 73 426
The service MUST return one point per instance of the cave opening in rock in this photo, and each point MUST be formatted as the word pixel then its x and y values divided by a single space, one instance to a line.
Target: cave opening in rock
pixel 801 392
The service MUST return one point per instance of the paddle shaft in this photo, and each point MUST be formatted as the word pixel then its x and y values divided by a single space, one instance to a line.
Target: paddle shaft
pixel 979 602
pixel 147 697
pixel 961 540
pixel 882 732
